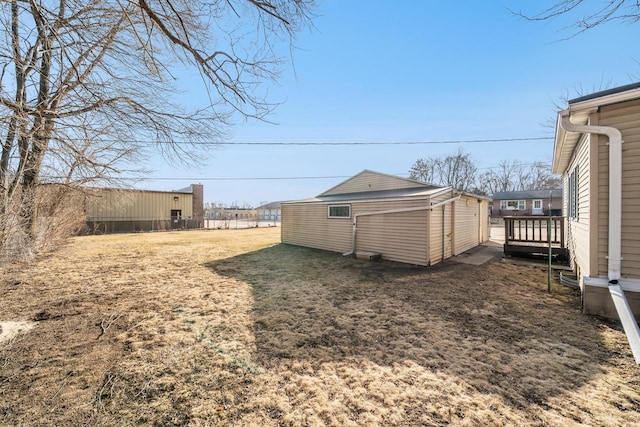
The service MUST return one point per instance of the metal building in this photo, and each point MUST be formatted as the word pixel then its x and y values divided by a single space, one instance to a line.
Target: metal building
pixel 112 210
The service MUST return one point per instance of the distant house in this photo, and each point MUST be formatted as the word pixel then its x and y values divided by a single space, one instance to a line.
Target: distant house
pixel 399 219
pixel 222 217
pixel 270 212
pixel 597 152
pixel 526 203
pixel 231 213
pixel 112 210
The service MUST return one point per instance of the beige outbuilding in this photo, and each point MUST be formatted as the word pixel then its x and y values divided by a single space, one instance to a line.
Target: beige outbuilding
pixel 396 218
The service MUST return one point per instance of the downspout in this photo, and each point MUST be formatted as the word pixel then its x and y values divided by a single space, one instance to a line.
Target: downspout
pixel 390 211
pixel 444 209
pixel 614 257
pixel 479 221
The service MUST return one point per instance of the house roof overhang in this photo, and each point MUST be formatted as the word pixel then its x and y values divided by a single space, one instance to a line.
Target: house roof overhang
pixel 566 142
pixel 579 111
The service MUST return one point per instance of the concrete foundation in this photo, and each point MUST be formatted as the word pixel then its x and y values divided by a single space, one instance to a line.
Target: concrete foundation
pixel 597 301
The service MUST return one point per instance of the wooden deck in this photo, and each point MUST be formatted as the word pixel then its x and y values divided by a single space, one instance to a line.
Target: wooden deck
pixel 531 235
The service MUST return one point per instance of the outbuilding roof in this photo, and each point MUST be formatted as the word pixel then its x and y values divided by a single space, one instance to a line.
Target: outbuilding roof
pixel 368 180
pixel 370 185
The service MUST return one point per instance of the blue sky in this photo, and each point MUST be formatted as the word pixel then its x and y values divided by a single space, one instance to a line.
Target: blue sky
pixel 396 71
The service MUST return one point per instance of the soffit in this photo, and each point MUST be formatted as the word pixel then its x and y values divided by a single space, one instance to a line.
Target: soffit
pixel 580 110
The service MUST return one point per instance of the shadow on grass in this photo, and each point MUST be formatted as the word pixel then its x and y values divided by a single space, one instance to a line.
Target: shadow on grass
pixel 494 325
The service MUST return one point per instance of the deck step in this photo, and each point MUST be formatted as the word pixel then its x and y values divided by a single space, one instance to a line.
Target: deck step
pixel 368 256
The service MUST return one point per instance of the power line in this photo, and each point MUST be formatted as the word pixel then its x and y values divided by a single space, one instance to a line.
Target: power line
pixel 273 178
pixel 256 178
pixel 458 141
pixel 326 143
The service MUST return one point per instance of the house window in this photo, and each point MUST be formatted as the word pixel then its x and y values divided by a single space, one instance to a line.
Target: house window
pixel 572 194
pixel 339 211
pixel 513 205
pixel 537 204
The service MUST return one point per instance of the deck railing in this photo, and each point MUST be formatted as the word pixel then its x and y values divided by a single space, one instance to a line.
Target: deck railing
pixel 531 234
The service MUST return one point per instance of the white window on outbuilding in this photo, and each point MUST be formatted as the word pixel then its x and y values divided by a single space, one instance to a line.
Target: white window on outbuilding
pixel 339 211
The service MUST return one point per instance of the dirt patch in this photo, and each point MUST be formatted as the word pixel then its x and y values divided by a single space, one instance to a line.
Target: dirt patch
pixel 230 327
pixel 9 330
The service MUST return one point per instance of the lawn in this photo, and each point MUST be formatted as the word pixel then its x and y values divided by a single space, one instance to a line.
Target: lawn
pixel 229 327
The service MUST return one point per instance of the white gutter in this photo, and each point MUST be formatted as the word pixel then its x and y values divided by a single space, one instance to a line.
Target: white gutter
pixel 392 211
pixel 614 258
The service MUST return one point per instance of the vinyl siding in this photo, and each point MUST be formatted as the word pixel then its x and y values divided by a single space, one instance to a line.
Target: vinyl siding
pixel 129 205
pixel 308 225
pixel 578 237
pixel 399 237
pixel 435 234
pixel 436 229
pixel 370 181
pixel 436 250
pixel 377 206
pixel 484 220
pixel 626 117
pixel 411 237
pixel 448 230
pixel 467 221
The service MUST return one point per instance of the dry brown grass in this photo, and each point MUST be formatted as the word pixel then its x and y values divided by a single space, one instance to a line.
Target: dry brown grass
pixel 229 327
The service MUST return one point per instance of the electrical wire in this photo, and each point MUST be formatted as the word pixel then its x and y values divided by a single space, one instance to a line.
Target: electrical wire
pixel 325 143
pixel 278 178
pixel 460 141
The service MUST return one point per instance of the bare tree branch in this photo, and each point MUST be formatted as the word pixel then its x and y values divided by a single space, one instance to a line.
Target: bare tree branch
pixel 584 17
pixel 78 76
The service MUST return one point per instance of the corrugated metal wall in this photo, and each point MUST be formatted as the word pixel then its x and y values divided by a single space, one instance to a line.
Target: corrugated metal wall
pixel 131 205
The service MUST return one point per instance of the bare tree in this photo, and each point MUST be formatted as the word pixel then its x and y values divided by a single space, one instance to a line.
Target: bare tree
pixel 455 170
pixel 511 175
pixel 88 86
pixel 588 15
pixel 536 176
pixel 500 178
pixel 426 170
pixel 458 171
